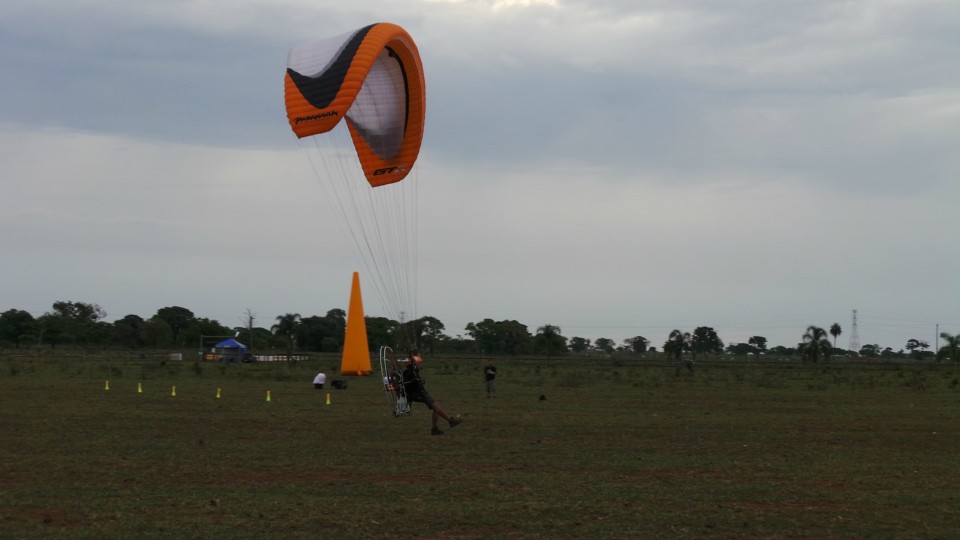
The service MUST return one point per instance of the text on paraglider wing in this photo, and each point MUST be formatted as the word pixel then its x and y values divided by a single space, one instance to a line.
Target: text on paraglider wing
pixel 385 170
pixel 317 116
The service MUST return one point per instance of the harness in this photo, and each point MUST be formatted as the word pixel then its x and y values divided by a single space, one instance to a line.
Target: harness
pixel 412 382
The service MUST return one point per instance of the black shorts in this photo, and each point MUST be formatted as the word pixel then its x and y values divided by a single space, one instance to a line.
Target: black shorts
pixel 419 393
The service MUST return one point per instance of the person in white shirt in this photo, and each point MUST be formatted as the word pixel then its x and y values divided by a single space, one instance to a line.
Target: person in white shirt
pixel 319 380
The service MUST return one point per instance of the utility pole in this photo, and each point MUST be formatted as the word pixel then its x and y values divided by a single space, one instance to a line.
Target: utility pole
pixel 855 335
pixel 251 317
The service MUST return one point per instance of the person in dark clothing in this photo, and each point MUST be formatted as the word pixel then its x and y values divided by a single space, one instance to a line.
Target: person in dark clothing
pixel 416 391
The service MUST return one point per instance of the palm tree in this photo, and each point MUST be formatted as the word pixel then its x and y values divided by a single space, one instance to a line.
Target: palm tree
pixel 676 343
pixel 815 344
pixel 950 350
pixel 549 340
pixel 835 331
pixel 287 326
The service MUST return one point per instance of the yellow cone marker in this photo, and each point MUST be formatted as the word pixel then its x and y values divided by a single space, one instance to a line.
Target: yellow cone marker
pixel 107 385
pixel 328 398
pixel 268 395
pixel 218 393
pixel 173 390
pixel 139 388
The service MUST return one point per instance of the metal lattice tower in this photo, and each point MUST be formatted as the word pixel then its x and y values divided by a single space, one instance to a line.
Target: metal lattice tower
pixel 855 335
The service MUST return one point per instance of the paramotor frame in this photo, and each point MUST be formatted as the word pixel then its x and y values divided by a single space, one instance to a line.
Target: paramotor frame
pixel 392 375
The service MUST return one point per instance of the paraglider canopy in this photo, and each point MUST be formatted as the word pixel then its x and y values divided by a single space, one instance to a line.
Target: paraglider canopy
pixel 357 103
pixel 373 77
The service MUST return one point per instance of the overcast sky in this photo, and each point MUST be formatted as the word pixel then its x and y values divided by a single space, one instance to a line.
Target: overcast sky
pixel 612 167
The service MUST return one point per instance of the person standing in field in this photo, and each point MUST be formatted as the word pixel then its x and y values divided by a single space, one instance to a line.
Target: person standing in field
pixel 490 378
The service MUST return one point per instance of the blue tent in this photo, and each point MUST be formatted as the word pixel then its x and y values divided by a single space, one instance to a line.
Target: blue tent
pixel 231 344
pixel 230 350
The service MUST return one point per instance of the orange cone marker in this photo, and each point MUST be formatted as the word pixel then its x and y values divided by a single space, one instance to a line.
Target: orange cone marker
pixel 355 359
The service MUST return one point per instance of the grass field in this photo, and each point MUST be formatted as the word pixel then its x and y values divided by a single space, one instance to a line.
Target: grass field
pixel 615 451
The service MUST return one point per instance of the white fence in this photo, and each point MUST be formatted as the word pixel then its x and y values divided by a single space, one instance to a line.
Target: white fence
pixel 280 357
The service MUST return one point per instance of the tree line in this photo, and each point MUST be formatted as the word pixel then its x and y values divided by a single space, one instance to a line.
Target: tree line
pixel 70 323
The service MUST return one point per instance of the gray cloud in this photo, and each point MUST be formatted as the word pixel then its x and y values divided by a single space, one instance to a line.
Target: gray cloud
pixel 606 166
